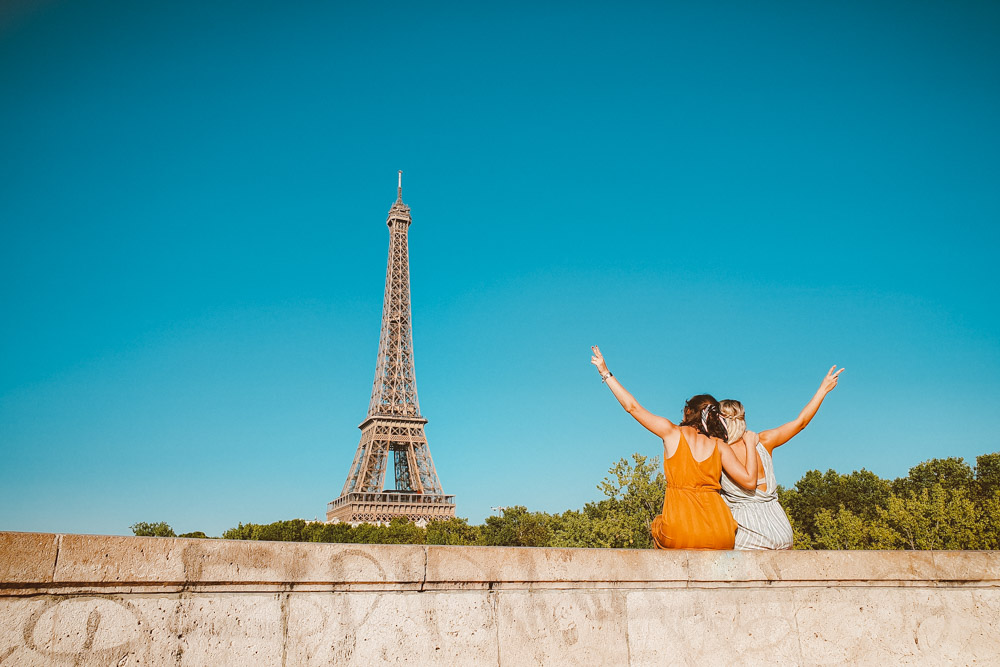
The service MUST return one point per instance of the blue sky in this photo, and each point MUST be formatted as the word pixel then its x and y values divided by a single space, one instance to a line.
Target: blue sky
pixel 727 198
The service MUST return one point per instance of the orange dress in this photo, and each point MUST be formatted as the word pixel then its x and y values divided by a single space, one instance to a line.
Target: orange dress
pixel 694 514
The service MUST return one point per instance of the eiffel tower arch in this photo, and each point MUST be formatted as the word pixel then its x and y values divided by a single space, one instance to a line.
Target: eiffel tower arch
pixel 394 425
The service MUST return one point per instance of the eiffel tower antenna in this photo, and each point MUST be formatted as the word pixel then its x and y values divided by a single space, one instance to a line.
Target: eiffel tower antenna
pixel 394 423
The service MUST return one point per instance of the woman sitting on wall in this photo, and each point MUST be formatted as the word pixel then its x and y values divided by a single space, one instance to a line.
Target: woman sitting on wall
pixel 694 455
pixel 762 522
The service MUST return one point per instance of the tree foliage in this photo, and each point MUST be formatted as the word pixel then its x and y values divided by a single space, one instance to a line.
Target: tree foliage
pixel 859 492
pixel 453 531
pixel 634 493
pixel 517 527
pixel 158 529
pixel 940 504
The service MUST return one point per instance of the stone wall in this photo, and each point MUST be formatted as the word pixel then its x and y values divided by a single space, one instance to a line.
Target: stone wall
pixel 91 600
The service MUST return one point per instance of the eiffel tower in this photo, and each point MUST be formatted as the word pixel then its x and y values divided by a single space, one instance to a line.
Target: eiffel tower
pixel 394 424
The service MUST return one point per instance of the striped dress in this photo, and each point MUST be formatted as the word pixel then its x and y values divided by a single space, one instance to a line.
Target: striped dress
pixel 762 522
pixel 694 516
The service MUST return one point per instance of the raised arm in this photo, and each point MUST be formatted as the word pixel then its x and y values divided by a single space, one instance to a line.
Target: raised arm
pixel 661 426
pixel 744 475
pixel 776 437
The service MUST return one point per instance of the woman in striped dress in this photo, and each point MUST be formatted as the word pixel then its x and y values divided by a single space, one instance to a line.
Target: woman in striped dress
pixel 762 522
pixel 694 455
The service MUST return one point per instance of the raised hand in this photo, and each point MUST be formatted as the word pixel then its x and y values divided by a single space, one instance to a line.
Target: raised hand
pixel 830 381
pixel 775 437
pixel 598 359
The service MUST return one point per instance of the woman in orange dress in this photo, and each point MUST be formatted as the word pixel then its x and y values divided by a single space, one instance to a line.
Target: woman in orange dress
pixel 694 454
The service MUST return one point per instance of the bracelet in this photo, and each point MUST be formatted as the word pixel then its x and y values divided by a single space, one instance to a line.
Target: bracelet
pixel 605 376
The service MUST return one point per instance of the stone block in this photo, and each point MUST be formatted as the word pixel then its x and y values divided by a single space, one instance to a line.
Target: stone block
pixel 901 625
pixel 88 630
pixel 365 628
pixel 109 559
pixel 712 627
pixel 383 566
pixel 550 568
pixel 18 614
pixel 193 562
pixel 231 629
pixel 572 627
pixel 863 567
pixel 27 558
pixel 979 567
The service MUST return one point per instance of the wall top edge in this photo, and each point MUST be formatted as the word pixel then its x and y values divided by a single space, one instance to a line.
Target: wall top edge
pixel 108 560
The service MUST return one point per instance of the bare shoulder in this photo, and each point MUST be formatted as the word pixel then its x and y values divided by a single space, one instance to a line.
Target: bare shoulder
pixel 673 436
pixel 769 438
pixel 671 441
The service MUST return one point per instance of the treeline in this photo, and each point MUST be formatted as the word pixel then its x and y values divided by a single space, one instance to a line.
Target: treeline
pixel 941 504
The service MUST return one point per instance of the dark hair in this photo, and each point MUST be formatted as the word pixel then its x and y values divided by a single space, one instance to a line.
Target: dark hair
pixel 702 413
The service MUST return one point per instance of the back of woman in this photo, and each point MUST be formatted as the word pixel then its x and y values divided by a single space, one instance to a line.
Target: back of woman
pixel 762 522
pixel 694 515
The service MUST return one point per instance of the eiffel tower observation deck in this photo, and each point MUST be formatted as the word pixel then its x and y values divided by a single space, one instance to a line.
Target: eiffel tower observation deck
pixel 394 425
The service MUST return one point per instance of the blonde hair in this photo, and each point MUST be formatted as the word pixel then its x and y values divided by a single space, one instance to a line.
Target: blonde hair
pixel 735 418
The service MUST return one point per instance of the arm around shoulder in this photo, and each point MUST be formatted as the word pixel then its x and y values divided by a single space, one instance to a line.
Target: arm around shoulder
pixel 743 474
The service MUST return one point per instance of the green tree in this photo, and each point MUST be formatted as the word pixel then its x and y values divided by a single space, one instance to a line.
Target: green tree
pixel 241 532
pixel 634 496
pixel 988 520
pixel 843 530
pixel 197 533
pixel 801 540
pixel 329 532
pixel 950 473
pixel 573 528
pixel 281 531
pixel 846 530
pixel 861 492
pixel 401 531
pixel 292 530
pixel 516 527
pixel 365 533
pixel 159 529
pixel 934 518
pixel 453 531
pixel 987 476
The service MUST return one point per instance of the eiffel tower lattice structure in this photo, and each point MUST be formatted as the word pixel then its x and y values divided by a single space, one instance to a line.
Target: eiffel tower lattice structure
pixel 394 425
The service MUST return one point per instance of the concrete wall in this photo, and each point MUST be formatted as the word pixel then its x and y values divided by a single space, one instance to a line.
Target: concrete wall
pixel 90 600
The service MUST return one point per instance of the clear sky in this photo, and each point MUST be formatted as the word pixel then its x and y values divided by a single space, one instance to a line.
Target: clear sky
pixel 726 197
